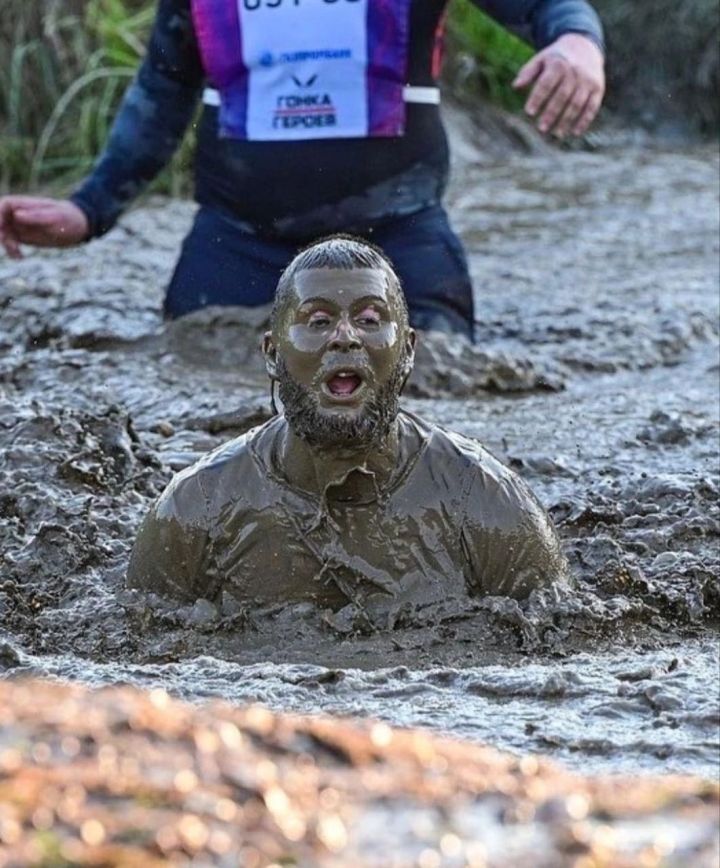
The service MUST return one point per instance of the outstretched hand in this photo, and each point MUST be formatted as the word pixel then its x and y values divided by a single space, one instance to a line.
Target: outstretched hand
pixel 568 84
pixel 40 222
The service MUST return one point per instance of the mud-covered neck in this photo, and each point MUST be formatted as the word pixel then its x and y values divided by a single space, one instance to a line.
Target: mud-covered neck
pixel 344 473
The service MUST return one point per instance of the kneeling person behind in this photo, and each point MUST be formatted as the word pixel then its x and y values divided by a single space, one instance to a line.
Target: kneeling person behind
pixel 345 498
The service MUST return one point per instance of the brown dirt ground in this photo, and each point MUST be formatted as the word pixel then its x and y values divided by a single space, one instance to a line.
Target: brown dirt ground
pixel 118 777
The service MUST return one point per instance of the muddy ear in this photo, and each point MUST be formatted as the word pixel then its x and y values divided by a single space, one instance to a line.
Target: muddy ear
pixel 270 354
pixel 409 357
pixel 411 340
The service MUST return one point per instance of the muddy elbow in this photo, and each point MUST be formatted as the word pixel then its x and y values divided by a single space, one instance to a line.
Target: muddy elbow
pixel 145 577
pixel 139 576
pixel 535 578
pixel 149 572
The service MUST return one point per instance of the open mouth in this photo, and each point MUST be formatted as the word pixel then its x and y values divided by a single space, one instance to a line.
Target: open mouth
pixel 343 384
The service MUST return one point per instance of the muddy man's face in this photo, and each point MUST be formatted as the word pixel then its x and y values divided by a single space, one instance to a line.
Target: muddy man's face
pixel 341 347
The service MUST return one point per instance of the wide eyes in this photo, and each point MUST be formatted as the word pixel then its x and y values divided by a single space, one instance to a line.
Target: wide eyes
pixel 319 319
pixel 366 318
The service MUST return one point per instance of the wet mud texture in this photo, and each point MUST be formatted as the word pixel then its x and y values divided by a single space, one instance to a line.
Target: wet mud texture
pixel 124 778
pixel 595 376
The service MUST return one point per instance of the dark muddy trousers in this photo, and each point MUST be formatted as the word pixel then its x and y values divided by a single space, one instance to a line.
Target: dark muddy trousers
pixel 222 264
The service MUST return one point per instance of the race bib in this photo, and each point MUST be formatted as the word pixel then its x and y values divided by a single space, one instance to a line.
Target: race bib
pixel 306 69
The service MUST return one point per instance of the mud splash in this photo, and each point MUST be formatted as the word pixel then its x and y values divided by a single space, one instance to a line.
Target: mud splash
pixel 595 376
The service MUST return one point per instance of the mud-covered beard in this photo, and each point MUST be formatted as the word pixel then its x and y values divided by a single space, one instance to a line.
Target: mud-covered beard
pixel 323 428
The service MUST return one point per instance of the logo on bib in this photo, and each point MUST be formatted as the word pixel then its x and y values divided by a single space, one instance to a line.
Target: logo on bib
pixel 304 112
pixel 323 54
pixel 309 83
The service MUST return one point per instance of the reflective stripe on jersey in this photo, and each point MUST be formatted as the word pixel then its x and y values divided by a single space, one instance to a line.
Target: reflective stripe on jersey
pixel 411 93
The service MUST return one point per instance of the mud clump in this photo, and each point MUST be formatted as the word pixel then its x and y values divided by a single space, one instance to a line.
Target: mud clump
pixel 458 369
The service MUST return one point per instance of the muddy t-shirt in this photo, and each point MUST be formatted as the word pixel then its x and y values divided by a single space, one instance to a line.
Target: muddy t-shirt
pixel 450 521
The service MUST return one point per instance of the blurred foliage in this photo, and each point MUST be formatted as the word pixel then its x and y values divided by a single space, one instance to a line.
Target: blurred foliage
pixel 664 62
pixel 482 58
pixel 66 64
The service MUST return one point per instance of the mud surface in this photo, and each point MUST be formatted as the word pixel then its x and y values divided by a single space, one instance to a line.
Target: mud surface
pixel 596 376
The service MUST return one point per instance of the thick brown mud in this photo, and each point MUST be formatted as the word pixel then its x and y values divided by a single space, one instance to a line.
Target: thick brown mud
pixel 595 376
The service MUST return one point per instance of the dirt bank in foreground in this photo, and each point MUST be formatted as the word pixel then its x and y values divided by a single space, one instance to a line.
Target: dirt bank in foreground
pixel 124 778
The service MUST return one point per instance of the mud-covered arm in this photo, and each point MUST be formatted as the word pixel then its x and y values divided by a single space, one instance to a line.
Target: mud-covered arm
pixel 153 116
pixel 544 21
pixel 170 552
pixel 509 542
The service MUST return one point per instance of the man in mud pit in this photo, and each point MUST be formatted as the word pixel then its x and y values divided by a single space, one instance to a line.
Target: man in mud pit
pixel 319 117
pixel 344 498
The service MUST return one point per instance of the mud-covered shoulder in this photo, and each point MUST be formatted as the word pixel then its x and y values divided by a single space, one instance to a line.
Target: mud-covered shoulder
pixel 200 491
pixel 172 555
pixel 510 543
pixel 465 454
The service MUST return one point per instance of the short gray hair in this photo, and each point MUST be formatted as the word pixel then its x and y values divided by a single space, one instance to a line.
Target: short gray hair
pixel 336 251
